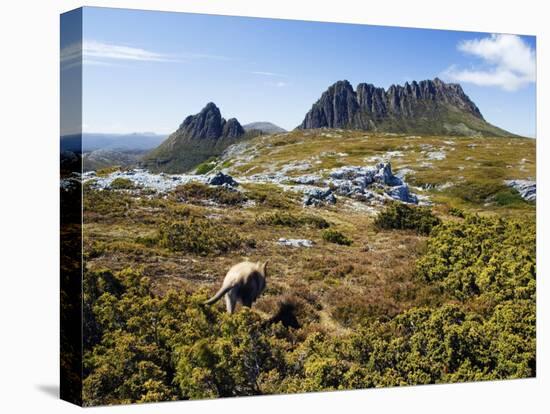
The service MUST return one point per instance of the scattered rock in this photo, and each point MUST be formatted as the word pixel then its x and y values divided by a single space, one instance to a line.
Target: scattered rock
pixel 436 155
pixel 527 189
pixel 295 242
pixel 308 179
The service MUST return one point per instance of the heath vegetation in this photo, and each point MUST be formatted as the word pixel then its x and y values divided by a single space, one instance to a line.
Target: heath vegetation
pixel 397 295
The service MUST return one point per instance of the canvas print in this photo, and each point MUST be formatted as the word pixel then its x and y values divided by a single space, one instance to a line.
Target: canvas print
pixel 258 206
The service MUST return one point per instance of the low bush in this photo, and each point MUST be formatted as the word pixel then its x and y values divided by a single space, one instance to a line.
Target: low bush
pixel 334 236
pixel 456 212
pixel 400 216
pixel 104 172
pixel 481 193
pixel 291 220
pixel 206 166
pixel 200 236
pixel 508 197
pixel 107 204
pixel 270 195
pixel 482 256
pixel 194 191
pixel 121 183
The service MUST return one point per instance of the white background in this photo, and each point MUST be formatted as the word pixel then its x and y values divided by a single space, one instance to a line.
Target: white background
pixel 29 206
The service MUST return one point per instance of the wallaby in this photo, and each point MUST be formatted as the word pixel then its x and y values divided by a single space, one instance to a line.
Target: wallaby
pixel 243 283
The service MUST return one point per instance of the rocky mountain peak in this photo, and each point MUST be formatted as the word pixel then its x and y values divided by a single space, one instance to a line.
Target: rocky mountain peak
pixel 198 138
pixel 232 129
pixel 430 106
pixel 209 124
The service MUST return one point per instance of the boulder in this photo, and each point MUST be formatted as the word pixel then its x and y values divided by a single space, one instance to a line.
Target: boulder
pixel 318 196
pixel 402 193
pixel 222 179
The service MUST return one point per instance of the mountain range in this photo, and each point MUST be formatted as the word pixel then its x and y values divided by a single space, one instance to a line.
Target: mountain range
pixel 428 107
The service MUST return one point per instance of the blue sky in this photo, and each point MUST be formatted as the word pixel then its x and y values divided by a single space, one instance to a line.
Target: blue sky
pixel 146 71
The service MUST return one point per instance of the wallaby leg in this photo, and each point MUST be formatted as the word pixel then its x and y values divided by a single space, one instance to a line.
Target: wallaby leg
pixel 247 302
pixel 230 301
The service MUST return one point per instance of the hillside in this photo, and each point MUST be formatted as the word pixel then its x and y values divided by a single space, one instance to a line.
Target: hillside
pixel 430 107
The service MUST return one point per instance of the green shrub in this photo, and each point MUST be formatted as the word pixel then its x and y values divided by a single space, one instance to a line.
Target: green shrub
pixel 194 191
pixel 107 204
pixel 508 197
pixel 477 192
pixel 104 172
pixel 206 166
pixel 121 183
pixel 270 195
pixel 456 212
pixel 482 256
pixel 334 236
pixel 290 220
pixel 402 216
pixel 200 236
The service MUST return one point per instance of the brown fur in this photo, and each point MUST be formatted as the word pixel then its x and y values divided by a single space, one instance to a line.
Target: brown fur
pixel 243 283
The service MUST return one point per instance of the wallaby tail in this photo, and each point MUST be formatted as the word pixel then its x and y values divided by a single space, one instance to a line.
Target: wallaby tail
pixel 217 296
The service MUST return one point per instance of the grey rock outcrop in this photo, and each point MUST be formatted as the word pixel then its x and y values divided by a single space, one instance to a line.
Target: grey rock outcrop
pixel 318 196
pixel 527 189
pixel 362 183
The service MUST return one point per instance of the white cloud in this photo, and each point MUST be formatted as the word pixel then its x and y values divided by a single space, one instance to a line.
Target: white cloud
pixel 273 74
pixel 92 52
pixel 99 50
pixel 508 62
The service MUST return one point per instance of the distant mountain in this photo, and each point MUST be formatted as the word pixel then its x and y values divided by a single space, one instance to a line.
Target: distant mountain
pixel 135 141
pixel 197 139
pixel 265 127
pixel 426 107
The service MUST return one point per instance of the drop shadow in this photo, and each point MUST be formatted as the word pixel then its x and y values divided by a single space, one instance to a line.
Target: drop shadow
pixel 51 390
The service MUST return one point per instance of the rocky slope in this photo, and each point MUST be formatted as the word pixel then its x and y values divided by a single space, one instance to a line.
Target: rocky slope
pixel 198 138
pixel 426 107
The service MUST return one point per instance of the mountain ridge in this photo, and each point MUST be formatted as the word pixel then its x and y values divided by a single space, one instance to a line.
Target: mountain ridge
pixel 425 107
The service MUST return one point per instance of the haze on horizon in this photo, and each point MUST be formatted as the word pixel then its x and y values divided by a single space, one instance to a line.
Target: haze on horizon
pixel 147 70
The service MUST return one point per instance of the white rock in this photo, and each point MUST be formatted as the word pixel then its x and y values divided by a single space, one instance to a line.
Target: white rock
pixel 295 242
